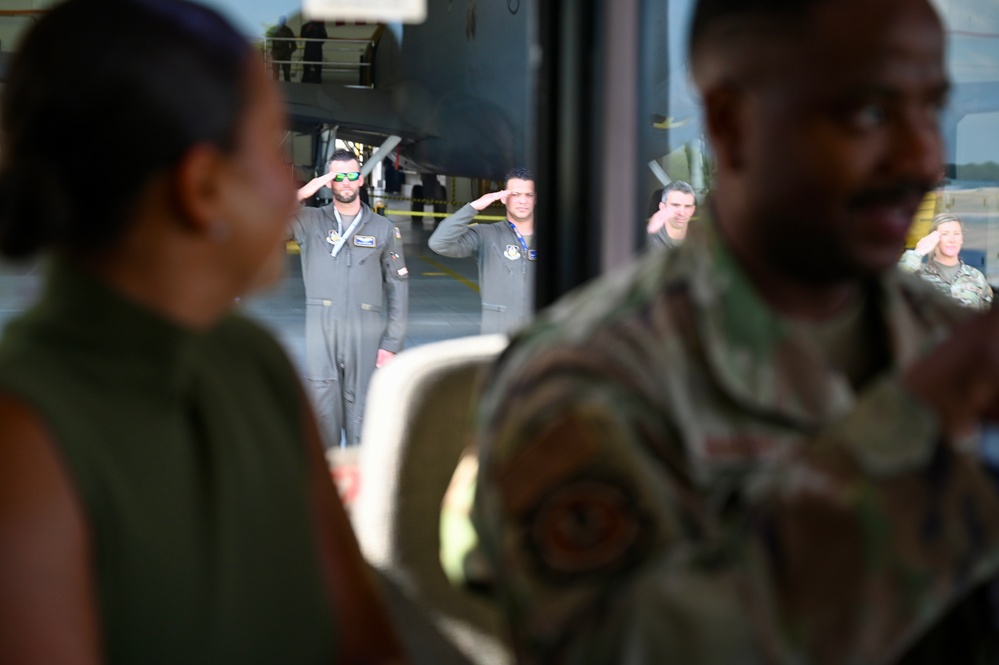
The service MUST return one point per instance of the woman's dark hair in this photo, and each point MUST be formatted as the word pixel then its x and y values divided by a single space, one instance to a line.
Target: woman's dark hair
pixel 101 96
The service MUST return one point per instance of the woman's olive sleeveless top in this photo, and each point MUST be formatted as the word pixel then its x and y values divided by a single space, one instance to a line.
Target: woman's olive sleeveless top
pixel 187 452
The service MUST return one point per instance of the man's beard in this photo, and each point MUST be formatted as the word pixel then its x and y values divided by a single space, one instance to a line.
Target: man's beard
pixel 346 195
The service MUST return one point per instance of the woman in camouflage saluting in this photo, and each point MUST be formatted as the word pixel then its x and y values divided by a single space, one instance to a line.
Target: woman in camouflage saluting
pixel 944 268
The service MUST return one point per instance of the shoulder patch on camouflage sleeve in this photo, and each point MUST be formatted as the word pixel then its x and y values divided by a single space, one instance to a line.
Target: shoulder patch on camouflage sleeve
pixel 589 526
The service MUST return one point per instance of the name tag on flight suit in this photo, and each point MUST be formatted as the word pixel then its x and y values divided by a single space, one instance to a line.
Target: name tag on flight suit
pixel 364 241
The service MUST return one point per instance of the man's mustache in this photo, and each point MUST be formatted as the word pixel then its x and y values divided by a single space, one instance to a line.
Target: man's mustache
pixel 901 193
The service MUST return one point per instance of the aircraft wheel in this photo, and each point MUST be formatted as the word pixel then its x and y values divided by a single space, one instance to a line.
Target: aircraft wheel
pixel 440 194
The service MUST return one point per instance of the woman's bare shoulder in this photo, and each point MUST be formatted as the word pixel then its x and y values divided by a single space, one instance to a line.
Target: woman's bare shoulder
pixel 47 597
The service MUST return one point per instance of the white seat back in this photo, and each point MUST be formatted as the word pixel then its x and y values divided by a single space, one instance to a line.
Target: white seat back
pixel 417 424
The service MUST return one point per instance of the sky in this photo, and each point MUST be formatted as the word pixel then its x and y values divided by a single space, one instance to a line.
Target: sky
pixel 253 16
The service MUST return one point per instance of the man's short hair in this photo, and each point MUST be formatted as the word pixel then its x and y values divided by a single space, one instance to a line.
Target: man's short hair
pixel 677 186
pixel 342 155
pixel 727 22
pixel 518 172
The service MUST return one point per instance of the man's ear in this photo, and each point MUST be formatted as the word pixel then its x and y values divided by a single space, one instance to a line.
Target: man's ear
pixel 198 187
pixel 725 113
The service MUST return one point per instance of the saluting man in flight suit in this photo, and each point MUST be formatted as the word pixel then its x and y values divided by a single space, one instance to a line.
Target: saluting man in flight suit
pixel 504 251
pixel 356 296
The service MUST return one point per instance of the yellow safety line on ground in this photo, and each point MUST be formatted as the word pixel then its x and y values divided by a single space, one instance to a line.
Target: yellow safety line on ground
pixel 450 273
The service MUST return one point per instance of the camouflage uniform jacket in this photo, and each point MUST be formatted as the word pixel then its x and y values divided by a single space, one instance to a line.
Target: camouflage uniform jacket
pixel 968 288
pixel 670 474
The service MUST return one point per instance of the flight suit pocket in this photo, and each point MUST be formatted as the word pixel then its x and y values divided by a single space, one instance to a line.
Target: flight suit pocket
pixel 502 260
pixel 364 253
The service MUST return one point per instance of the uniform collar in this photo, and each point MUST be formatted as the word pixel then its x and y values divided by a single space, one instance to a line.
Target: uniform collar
pixel 933 268
pixel 761 359
pixel 362 215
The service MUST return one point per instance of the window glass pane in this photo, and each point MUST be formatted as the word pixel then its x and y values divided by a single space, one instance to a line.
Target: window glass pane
pixel 670 125
pixel 971 130
pixel 672 130
pixel 456 91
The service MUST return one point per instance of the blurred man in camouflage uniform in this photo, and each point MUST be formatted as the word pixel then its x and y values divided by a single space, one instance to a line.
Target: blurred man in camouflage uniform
pixel 763 446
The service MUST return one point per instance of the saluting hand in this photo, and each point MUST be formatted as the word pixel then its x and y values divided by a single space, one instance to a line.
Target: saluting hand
pixel 487 200
pixel 315 185
pixel 656 221
pixel 928 243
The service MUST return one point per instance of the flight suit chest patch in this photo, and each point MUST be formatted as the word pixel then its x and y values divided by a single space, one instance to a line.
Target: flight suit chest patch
pixel 364 241
pixel 512 252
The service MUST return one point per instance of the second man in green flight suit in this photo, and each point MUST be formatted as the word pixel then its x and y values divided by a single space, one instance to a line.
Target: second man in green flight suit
pixel 504 251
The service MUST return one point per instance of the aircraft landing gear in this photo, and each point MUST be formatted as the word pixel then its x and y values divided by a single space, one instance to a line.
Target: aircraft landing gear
pixel 431 189
pixel 416 205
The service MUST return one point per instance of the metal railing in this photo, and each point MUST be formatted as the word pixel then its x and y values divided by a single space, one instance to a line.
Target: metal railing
pixel 362 49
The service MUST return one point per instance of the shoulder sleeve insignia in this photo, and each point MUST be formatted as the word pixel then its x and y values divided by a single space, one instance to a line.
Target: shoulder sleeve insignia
pixel 588 527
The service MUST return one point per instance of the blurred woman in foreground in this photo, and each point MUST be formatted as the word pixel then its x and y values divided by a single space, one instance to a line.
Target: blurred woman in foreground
pixel 941 249
pixel 163 495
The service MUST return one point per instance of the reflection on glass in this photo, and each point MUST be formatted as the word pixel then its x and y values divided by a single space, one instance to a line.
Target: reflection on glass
pixel 672 131
pixel 437 112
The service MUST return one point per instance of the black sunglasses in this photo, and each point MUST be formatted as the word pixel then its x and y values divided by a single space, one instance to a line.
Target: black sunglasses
pixel 352 176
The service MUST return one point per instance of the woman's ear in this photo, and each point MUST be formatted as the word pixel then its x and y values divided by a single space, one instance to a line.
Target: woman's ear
pixel 198 188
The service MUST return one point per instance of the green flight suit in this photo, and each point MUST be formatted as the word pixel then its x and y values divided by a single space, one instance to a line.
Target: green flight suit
pixel 355 304
pixel 506 274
